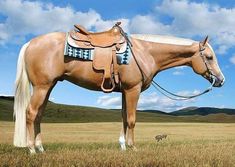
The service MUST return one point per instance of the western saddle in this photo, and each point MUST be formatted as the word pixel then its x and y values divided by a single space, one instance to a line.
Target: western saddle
pixel 105 45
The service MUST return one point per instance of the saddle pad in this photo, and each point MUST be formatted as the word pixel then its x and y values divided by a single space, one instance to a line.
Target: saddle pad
pixel 124 57
pixel 88 54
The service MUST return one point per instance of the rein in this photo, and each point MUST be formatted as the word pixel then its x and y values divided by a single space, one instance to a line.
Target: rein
pixel 174 96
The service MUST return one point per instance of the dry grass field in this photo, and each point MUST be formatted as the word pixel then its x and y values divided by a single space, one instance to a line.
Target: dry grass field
pixel 95 144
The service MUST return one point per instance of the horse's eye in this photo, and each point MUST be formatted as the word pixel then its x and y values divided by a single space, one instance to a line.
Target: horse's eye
pixel 209 57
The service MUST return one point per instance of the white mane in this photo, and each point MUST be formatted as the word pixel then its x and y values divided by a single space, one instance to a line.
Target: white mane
pixel 211 48
pixel 163 39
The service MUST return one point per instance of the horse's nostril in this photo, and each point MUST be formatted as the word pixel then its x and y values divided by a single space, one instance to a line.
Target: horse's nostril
pixel 222 83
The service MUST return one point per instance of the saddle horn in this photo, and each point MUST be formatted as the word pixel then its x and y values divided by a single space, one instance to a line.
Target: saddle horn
pixel 118 23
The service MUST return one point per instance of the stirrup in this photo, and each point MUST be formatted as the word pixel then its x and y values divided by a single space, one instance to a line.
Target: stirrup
pixel 106 90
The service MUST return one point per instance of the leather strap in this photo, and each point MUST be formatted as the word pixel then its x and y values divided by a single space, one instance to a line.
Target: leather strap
pixel 115 65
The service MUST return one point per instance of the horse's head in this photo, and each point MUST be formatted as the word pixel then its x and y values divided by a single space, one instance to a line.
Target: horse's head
pixel 204 62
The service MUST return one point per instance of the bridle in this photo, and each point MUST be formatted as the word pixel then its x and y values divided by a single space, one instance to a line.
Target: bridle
pixel 174 96
pixel 208 67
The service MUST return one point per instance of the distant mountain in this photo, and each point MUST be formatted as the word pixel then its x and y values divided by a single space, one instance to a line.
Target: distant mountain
pixel 195 111
pixel 188 109
pixel 155 111
pixel 9 98
pixel 203 111
pixel 73 114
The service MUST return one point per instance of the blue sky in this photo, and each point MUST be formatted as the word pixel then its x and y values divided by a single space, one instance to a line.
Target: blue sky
pixel 20 21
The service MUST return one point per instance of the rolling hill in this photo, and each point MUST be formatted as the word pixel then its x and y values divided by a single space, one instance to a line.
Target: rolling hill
pixel 203 111
pixel 73 114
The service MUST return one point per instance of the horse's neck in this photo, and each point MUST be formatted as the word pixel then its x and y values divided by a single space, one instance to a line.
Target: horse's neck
pixel 168 55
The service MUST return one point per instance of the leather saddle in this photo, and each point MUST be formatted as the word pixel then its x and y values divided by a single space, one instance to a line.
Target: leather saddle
pixel 105 45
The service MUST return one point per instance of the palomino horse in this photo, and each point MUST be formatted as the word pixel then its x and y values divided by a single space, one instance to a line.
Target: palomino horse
pixel 42 63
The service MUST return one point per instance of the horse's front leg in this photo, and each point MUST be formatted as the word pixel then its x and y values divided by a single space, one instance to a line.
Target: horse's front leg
pixel 122 138
pixel 131 100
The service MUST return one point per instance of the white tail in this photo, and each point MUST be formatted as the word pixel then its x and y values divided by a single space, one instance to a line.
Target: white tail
pixel 22 97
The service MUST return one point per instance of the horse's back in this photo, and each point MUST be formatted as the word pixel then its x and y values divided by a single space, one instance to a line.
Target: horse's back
pixel 49 39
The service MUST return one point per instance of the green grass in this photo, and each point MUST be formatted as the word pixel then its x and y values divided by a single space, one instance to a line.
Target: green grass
pixel 59 113
pixel 149 154
pixel 95 144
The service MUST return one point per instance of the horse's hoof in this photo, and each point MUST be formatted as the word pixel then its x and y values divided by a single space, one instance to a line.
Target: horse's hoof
pixel 123 147
pixel 40 148
pixel 133 148
pixel 32 150
pixel 122 143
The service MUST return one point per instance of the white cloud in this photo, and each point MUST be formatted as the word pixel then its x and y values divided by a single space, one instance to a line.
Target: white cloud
pixel 147 25
pixel 222 49
pixel 3 34
pixel 6 94
pixel 27 17
pixel 52 99
pixel 188 93
pixel 232 59
pixel 222 106
pixel 187 18
pixel 110 101
pixel 179 70
pixel 178 73
pixel 149 101
pixel 194 18
pixel 180 67
pixel 190 19
pixel 102 25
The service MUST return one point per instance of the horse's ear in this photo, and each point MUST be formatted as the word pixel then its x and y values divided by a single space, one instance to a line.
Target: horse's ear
pixel 203 43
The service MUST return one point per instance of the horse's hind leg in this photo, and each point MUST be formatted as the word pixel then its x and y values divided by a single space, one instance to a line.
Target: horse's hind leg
pixel 34 111
pixel 37 128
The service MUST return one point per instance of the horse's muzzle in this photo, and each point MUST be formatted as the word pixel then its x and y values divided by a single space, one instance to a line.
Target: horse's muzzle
pixel 219 81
